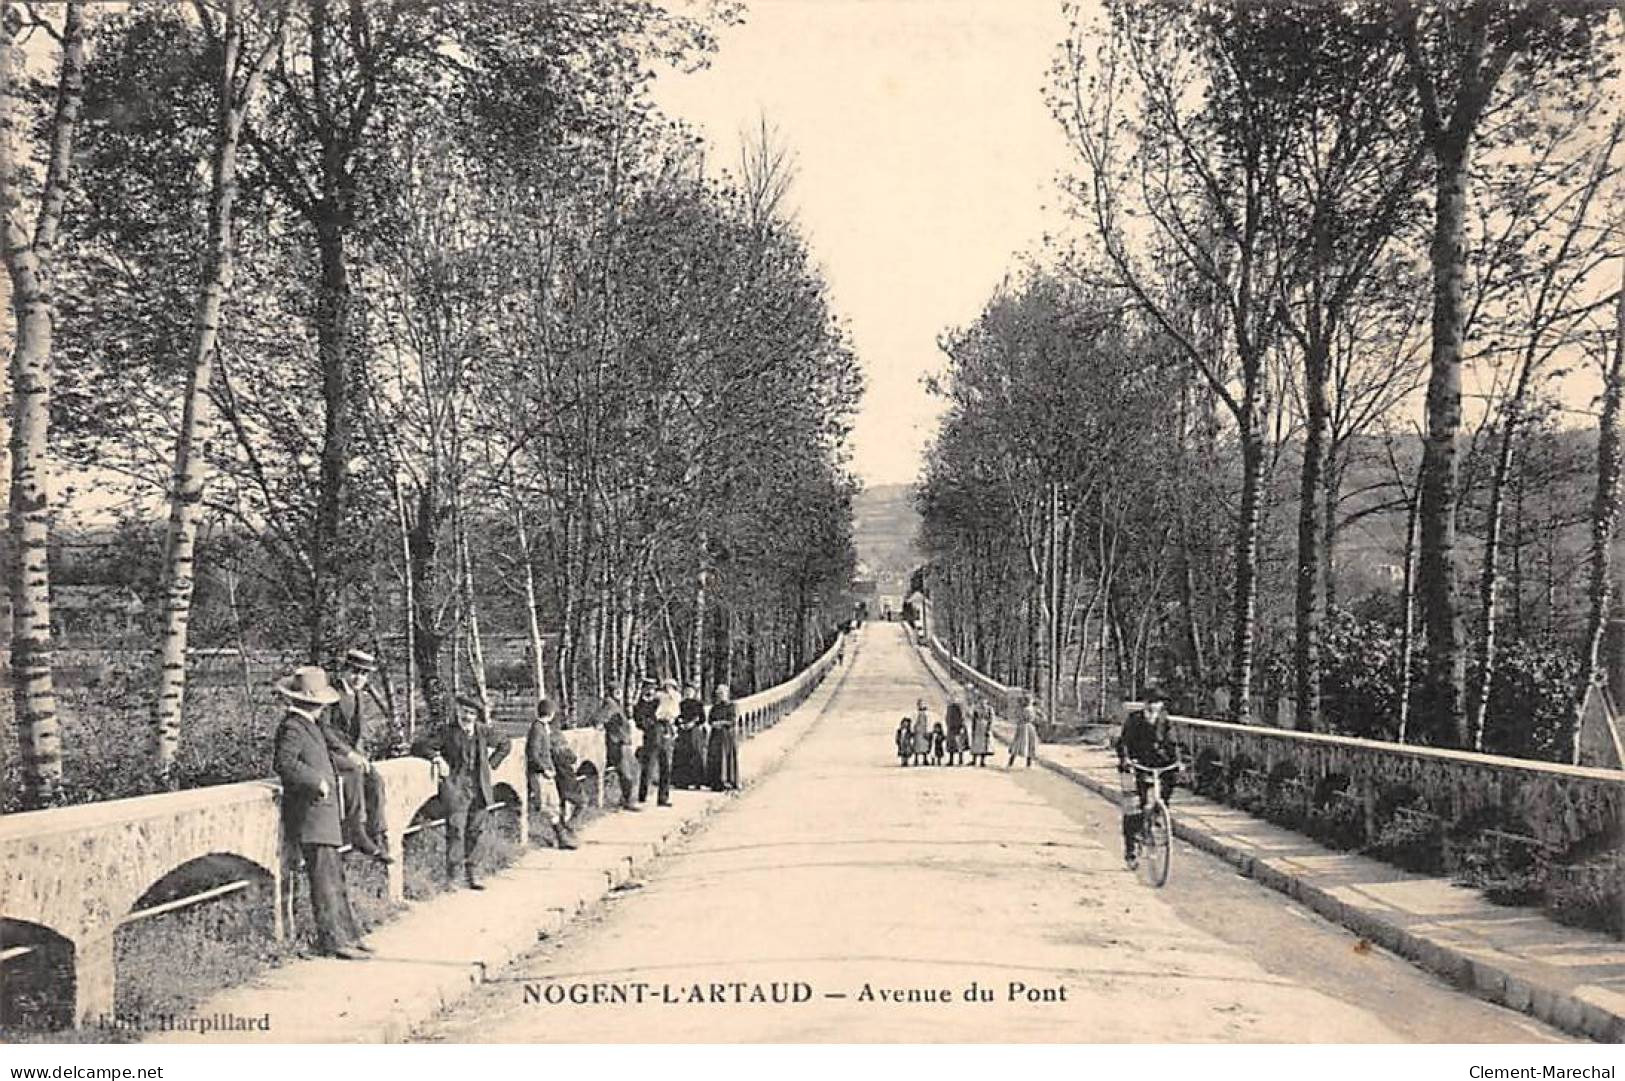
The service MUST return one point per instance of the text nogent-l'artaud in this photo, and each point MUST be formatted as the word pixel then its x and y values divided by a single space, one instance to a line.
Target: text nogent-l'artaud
pixel 638 993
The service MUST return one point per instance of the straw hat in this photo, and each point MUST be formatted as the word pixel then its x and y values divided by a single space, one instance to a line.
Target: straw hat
pixel 307 685
pixel 360 661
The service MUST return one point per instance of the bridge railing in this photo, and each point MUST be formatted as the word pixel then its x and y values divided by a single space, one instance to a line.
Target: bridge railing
pixel 1510 825
pixel 70 877
pixel 1006 700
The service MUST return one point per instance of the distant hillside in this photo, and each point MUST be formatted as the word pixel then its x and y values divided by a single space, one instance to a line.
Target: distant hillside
pixel 885 525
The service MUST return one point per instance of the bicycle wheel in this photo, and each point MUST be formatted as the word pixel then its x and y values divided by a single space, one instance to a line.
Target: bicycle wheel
pixel 1159 843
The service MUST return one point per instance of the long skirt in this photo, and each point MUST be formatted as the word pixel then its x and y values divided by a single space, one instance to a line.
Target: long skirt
pixel 722 758
pixel 688 757
pixel 1025 743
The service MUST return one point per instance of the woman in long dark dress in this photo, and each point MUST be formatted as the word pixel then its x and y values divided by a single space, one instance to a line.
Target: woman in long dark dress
pixel 723 757
pixel 688 757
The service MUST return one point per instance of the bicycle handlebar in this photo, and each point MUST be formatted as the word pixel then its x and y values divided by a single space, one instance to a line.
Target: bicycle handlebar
pixel 1154 770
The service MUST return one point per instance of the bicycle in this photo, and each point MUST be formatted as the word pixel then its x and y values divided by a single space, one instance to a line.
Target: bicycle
pixel 1156 837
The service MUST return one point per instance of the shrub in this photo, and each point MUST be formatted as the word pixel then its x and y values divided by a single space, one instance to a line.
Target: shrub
pixel 1529 705
pixel 1248 786
pixel 1588 894
pixel 1284 798
pixel 1506 871
pixel 1410 837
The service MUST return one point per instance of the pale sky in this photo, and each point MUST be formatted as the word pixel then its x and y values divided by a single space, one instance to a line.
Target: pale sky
pixel 927 159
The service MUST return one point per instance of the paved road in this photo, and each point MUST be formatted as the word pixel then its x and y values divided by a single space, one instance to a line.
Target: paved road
pixel 874 890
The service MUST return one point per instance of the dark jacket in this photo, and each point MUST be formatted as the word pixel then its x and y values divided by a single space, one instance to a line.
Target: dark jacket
pixel 956 717
pixel 617 729
pixel 725 715
pixel 539 747
pixel 1146 743
pixel 655 730
pixel 470 757
pixel 691 712
pixel 302 762
pixel 643 713
pixel 346 715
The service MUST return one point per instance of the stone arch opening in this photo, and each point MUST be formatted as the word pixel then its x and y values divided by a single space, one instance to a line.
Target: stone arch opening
pixel 423 849
pixel 1210 774
pixel 207 924
pixel 1336 817
pixel 1496 850
pixel 587 777
pixel 1286 802
pixel 1408 832
pixel 1246 781
pixel 37 981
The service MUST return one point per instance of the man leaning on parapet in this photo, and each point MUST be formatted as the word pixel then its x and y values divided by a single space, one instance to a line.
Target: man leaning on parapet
pixel 361 787
pixel 463 755
pixel 310 808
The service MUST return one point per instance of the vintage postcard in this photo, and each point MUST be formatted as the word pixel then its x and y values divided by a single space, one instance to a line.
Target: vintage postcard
pixel 813 522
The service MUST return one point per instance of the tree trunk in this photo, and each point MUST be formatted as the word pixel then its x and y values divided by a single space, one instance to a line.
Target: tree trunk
pixel 1604 520
pixel 28 259
pixel 1308 611
pixel 427 637
pixel 1244 627
pixel 332 348
pixel 1407 639
pixel 471 613
pixel 533 622
pixel 186 491
pixel 697 632
pixel 1436 568
pixel 1489 580
pixel 1332 495
pixel 409 599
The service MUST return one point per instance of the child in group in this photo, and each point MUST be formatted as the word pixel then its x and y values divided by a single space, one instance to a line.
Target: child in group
pixel 981 732
pixel 905 741
pixel 922 734
pixel 939 743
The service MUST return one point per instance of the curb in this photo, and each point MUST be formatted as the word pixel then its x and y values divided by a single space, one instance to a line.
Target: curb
pixel 1569 1011
pixel 401 1028
pixel 433 988
pixel 1594 1013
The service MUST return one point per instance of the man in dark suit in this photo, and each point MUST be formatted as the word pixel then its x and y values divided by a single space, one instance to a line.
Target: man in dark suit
pixel 643 717
pixel 361 788
pixel 659 725
pixel 310 809
pixel 463 754
pixel 618 748
pixel 544 769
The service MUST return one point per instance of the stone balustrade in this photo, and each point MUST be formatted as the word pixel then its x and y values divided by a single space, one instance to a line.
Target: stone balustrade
pixel 1430 808
pixel 70 876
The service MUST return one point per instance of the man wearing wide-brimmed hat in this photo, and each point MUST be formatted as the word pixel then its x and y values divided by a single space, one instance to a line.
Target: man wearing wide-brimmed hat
pixel 310 808
pixel 464 753
pixel 361 806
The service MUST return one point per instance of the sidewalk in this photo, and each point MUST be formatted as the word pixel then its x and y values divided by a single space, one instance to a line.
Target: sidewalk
pixel 437 950
pixel 1567 977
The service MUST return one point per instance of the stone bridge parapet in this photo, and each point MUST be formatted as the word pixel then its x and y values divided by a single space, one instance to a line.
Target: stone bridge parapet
pixel 1556 829
pixel 73 874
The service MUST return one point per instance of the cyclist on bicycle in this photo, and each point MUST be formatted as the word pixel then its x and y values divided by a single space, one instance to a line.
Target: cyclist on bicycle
pixel 1146 740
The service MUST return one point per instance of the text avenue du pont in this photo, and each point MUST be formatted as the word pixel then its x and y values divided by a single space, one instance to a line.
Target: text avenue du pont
pixel 745 993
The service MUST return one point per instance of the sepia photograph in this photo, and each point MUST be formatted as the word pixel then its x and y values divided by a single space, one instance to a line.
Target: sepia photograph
pixel 936 523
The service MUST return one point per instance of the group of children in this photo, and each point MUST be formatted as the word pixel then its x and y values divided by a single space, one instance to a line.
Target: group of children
pixel 920 742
